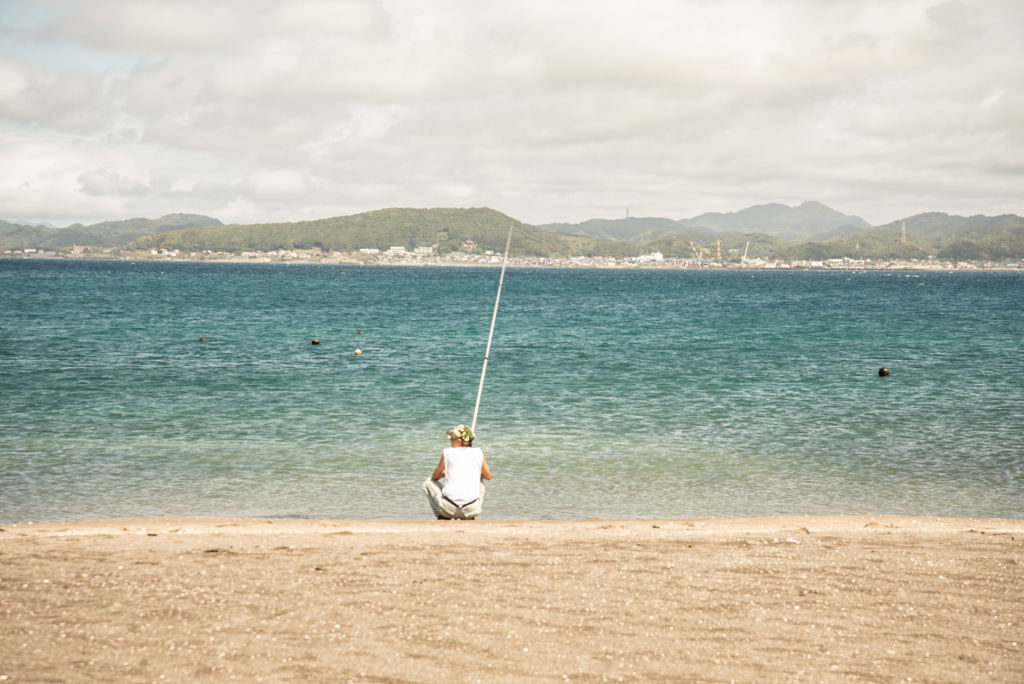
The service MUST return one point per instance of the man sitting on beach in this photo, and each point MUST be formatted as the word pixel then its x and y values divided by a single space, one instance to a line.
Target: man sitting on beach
pixel 463 468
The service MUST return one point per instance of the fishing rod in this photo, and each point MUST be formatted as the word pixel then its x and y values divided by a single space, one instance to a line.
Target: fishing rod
pixel 494 317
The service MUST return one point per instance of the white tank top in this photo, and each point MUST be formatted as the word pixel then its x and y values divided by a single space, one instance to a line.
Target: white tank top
pixel 462 474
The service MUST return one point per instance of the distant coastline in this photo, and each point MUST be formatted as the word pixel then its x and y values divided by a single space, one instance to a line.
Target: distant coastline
pixel 554 263
pixel 763 236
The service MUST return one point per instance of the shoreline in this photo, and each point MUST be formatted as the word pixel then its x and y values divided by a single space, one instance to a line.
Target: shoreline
pixel 748 524
pixel 789 598
pixel 670 266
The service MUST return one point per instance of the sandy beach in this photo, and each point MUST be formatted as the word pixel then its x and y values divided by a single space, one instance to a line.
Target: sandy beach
pixel 816 599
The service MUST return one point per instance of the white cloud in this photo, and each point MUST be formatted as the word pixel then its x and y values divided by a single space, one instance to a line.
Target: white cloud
pixel 276 182
pixel 66 100
pixel 153 26
pixel 106 183
pixel 454 190
pixel 548 111
pixel 328 17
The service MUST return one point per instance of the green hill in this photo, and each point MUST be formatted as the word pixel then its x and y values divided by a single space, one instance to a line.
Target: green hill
pixel 480 229
pixel 632 230
pixel 998 248
pixel 874 246
pixel 808 221
pixel 983 238
pixel 105 235
pixel 802 222
pixel 448 229
pixel 938 225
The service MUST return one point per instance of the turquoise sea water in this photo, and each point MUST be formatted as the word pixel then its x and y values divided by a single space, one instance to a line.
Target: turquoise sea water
pixel 610 393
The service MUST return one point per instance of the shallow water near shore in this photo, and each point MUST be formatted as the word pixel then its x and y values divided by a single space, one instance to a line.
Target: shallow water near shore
pixel 610 393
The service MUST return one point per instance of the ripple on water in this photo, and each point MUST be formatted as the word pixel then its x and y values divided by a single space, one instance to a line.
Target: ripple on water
pixel 609 393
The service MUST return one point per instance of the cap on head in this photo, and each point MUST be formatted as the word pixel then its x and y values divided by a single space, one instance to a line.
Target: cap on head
pixel 463 432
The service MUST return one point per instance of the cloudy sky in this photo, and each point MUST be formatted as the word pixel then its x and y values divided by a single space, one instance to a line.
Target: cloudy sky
pixel 552 110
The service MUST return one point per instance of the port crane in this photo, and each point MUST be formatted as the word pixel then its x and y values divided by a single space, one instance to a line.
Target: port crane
pixel 695 252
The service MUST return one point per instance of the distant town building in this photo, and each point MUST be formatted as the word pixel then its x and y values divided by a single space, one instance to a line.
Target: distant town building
pixel 78 249
pixel 424 250
pixel 370 251
pixel 653 256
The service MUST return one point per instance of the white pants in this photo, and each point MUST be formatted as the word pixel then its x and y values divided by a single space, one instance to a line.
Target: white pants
pixel 443 508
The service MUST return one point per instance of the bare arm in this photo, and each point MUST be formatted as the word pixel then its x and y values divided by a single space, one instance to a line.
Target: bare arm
pixel 439 470
pixel 485 472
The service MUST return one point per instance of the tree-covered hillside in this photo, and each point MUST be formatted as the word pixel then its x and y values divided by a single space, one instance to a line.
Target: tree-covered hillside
pixel 633 230
pixel 998 248
pixel 938 225
pixel 874 246
pixel 808 221
pixel 449 229
pixel 104 235
pixel 958 238
pixel 802 222
pixel 480 229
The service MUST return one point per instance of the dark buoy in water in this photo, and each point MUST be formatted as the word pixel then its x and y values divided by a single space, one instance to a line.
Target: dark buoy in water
pixel 316 341
pixel 883 372
pixel 202 339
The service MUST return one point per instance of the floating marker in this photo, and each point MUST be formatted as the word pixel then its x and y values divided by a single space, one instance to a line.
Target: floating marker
pixel 316 341
pixel 360 332
pixel 359 352
pixel 883 372
pixel 202 339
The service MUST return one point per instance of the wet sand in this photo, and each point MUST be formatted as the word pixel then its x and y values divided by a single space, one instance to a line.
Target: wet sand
pixel 815 599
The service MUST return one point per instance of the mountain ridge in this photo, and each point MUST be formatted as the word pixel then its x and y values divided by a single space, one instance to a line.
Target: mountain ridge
pixel 483 229
pixel 446 229
pixel 106 234
pixel 799 223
